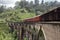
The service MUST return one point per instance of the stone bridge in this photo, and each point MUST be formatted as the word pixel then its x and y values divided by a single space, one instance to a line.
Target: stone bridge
pixel 34 31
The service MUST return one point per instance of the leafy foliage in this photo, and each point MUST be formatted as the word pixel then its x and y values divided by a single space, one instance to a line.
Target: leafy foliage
pixel 15 15
pixel 5 34
pixel 2 9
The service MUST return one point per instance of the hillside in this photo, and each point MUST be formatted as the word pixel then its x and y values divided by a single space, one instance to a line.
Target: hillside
pixel 15 15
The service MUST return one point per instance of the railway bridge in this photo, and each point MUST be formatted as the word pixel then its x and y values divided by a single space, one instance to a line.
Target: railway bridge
pixel 44 27
pixel 50 30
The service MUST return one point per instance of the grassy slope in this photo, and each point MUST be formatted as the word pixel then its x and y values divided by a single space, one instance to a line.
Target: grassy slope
pixel 15 15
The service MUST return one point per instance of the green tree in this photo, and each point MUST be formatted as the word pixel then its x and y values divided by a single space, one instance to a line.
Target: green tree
pixel 2 9
pixel 22 4
pixel 36 2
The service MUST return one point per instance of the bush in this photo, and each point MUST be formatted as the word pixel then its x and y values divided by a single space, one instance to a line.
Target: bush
pixel 5 34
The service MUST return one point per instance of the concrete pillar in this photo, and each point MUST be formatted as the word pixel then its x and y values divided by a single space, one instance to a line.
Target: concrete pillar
pixel 44 32
pixel 51 31
pixel 18 31
pixel 20 28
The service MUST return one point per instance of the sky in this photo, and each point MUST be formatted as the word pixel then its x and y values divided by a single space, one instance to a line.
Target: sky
pixel 11 3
